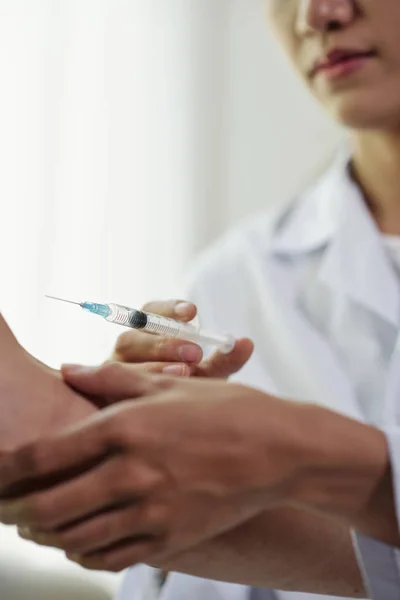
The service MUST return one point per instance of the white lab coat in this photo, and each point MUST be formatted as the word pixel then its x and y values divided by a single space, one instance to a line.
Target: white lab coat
pixel 247 285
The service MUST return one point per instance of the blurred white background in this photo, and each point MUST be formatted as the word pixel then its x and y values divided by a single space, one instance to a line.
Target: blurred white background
pixel 132 133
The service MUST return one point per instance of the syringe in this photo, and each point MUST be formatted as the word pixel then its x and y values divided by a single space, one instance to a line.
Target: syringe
pixel 156 324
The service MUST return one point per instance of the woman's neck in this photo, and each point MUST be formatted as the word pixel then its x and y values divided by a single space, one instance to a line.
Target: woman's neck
pixel 376 167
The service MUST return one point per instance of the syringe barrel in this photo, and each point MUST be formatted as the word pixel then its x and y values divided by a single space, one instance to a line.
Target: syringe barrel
pixel 159 325
pixel 121 315
pixel 149 322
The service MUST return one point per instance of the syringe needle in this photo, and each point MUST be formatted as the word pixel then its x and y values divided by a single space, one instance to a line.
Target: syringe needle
pixel 63 300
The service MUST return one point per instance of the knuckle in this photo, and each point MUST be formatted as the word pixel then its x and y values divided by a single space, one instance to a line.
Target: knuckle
pixel 153 367
pixel 161 349
pixel 166 384
pixel 135 480
pixel 151 481
pixel 150 517
pixel 116 434
pixel 32 459
pixel 110 371
pixel 122 482
pixel 141 480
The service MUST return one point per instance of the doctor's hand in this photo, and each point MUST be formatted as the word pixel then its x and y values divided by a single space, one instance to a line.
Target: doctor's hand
pixel 153 478
pixel 156 354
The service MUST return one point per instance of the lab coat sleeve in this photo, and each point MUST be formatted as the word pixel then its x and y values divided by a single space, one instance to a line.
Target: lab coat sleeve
pixel 380 563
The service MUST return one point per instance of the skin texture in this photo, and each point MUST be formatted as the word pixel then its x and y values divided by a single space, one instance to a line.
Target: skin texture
pixel 291 537
pixel 34 398
pixel 368 99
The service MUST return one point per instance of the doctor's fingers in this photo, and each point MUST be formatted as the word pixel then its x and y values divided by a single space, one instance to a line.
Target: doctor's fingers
pixel 139 347
pixel 222 366
pixel 113 484
pixel 180 310
pixel 104 530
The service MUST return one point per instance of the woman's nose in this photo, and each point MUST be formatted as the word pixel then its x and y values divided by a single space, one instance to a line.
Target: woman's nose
pixel 324 15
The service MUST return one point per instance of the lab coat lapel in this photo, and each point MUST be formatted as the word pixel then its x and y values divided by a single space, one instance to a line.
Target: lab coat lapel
pixel 300 361
pixel 392 396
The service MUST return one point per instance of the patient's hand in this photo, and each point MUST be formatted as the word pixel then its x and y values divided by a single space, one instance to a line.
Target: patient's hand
pixel 34 400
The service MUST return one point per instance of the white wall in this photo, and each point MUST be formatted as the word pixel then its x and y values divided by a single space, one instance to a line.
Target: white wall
pixel 130 126
pixel 278 137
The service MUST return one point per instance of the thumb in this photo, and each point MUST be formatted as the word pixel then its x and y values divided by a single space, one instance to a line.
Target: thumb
pixel 108 383
pixel 224 365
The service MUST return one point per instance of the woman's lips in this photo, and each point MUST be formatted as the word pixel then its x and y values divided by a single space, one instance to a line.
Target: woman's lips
pixel 340 64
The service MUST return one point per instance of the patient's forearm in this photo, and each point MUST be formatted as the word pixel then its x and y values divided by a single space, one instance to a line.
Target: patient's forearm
pixel 14 360
pixel 33 398
pixel 281 549
pixel 10 350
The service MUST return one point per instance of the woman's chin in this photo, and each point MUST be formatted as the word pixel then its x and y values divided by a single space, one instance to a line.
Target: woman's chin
pixel 361 113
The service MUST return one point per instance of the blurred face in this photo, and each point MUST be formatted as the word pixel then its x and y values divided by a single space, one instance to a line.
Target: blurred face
pixel 348 53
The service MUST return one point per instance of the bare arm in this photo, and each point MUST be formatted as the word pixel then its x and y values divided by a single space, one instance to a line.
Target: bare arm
pixel 317 546
pixel 319 551
pixel 347 475
pixel 33 398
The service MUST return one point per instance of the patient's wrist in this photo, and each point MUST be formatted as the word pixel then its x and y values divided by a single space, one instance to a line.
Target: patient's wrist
pixel 34 399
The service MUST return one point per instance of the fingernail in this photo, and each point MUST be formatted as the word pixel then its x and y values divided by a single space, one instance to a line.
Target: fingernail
pixel 190 354
pixel 183 309
pixel 77 369
pixel 179 370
